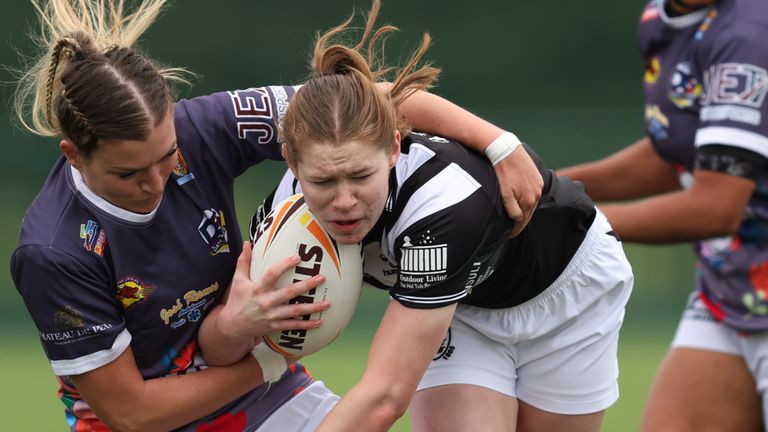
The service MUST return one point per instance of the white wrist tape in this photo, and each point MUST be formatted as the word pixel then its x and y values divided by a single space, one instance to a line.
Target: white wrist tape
pixel 272 364
pixel 502 147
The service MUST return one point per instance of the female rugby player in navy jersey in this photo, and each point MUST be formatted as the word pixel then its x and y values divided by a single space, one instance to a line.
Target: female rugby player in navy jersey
pixel 495 334
pixel 700 175
pixel 133 239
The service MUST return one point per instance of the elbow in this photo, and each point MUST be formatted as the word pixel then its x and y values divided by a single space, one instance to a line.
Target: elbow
pixel 387 412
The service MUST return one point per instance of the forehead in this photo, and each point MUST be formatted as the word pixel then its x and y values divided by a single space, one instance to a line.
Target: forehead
pixel 333 159
pixel 160 141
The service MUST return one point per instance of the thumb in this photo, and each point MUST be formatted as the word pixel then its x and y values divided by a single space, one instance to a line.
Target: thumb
pixel 244 261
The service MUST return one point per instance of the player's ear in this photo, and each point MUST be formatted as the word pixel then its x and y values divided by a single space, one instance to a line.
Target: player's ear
pixel 72 154
pixel 395 155
pixel 288 158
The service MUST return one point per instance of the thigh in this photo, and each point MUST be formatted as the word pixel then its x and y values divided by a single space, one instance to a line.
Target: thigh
pixel 532 419
pixel 463 408
pixel 700 390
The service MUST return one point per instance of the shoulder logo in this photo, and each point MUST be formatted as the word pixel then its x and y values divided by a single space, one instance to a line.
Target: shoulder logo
pixel 68 318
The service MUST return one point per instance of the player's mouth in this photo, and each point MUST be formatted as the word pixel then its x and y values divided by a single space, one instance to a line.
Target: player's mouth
pixel 345 225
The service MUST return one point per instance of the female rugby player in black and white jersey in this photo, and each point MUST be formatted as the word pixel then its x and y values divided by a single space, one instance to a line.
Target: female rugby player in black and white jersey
pixel 525 330
pixel 128 258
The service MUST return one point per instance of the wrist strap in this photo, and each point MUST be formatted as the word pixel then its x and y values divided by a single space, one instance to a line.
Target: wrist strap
pixel 502 147
pixel 273 365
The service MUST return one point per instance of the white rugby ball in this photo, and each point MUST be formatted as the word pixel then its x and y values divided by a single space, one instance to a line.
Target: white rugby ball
pixel 291 228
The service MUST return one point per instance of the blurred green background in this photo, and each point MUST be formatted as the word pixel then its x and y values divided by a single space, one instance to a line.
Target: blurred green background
pixel 564 76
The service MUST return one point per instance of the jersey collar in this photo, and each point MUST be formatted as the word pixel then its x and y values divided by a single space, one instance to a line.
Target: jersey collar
pixel 681 21
pixel 107 206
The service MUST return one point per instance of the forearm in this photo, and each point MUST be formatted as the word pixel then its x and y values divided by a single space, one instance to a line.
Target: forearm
pixel 124 401
pixel 219 346
pixel 665 219
pixel 431 113
pixel 634 172
pixel 363 408
pixel 395 366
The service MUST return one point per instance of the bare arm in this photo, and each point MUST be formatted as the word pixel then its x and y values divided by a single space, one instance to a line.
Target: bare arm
pixel 396 363
pixel 124 401
pixel 252 309
pixel 520 180
pixel 634 172
pixel 713 206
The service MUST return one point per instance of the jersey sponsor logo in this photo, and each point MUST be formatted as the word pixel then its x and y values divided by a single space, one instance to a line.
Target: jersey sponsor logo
pixel 213 230
pixel 253 109
pixel 684 88
pixel 74 335
pixel 68 318
pixel 733 113
pixel 191 309
pixel 736 84
pixel 446 349
pixel 132 291
pixel 94 240
pixel 422 265
pixel 181 172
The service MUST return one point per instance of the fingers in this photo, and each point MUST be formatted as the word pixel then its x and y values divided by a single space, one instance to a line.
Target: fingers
pixel 243 267
pixel 521 187
pixel 269 278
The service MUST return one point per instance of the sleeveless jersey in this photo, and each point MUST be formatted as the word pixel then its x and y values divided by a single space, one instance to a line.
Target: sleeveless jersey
pixel 98 279
pixel 705 84
pixel 443 235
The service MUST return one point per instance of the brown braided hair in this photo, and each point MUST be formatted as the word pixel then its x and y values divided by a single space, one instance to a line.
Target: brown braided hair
pixel 90 84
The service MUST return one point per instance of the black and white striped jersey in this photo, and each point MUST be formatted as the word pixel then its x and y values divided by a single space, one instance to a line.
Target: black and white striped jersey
pixel 443 235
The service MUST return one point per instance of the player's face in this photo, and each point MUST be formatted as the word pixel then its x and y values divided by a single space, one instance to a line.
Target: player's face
pixel 130 174
pixel 346 185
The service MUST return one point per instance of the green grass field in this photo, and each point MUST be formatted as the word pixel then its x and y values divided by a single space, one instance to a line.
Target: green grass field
pixel 30 402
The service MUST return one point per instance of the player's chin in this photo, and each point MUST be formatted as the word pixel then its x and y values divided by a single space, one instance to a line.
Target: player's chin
pixel 347 238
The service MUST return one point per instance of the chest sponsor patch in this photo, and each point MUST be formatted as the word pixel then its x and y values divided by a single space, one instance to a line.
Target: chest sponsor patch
pixel 422 265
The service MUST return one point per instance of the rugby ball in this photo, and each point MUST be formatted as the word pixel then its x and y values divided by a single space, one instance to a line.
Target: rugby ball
pixel 291 228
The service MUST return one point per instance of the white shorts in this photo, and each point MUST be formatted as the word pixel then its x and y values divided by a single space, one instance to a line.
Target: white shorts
pixel 557 351
pixel 698 329
pixel 304 412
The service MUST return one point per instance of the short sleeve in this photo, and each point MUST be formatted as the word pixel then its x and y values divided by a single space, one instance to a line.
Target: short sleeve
pixel 79 322
pixel 734 112
pixel 234 129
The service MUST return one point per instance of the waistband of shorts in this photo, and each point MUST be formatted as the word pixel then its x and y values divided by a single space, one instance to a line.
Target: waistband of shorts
pixel 582 254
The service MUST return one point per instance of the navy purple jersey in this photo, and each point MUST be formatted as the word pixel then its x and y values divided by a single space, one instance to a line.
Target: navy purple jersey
pixel 98 279
pixel 443 235
pixel 705 84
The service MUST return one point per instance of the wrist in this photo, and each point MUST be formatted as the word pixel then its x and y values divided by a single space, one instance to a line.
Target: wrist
pixel 502 147
pixel 272 364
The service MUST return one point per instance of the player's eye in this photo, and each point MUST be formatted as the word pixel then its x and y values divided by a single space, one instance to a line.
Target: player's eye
pixel 126 175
